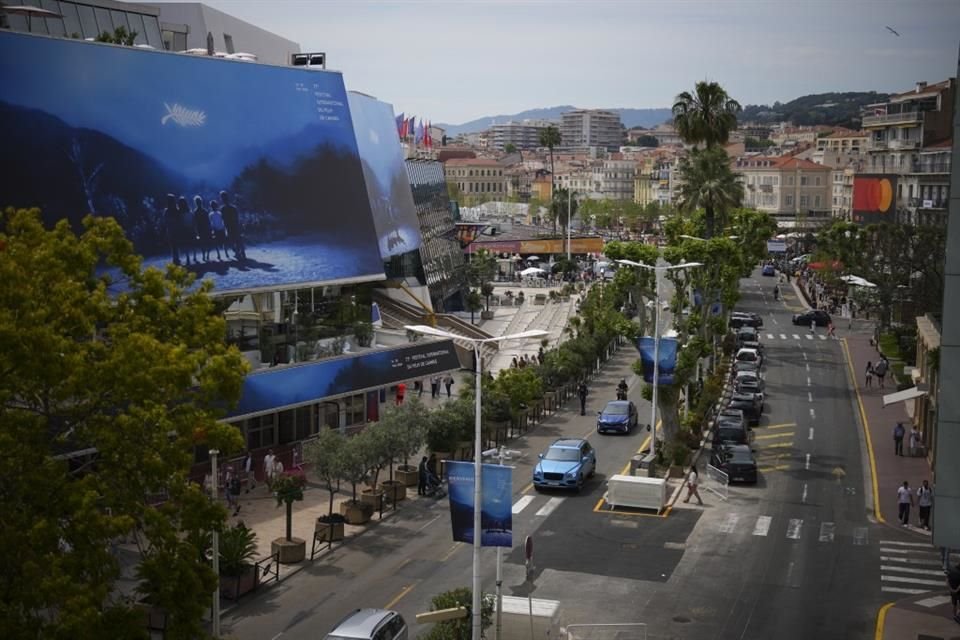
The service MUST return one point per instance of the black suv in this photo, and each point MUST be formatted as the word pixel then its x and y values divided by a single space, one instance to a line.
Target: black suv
pixel 736 461
pixel 750 404
pixel 745 319
pixel 821 317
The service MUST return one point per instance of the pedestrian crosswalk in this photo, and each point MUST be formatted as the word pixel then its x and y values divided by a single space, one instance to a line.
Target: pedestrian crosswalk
pixel 544 505
pixel 910 568
pixel 797 336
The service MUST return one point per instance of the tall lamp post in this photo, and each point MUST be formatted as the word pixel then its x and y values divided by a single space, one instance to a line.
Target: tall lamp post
pixel 656 335
pixel 569 219
pixel 477 344
pixel 215 611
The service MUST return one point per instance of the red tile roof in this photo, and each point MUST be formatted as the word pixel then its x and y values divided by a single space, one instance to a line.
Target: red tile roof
pixel 944 144
pixel 473 162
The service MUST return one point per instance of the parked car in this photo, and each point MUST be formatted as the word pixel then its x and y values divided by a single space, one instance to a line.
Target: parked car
pixel 749 355
pixel 566 464
pixel 745 318
pixel 746 334
pixel 746 365
pixel 730 432
pixel 370 624
pixel 750 404
pixel 768 270
pixel 737 461
pixel 732 416
pixel 821 317
pixel 752 376
pixel 754 344
pixel 618 416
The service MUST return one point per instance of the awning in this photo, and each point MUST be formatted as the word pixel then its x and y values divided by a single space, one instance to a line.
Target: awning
pixel 902 396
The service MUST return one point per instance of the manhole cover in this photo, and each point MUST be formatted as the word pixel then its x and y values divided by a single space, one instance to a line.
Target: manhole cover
pixel 681 619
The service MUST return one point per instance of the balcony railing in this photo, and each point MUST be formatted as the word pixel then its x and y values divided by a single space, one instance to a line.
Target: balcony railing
pixel 903 144
pixel 893 118
pixel 928 203
pixel 930 167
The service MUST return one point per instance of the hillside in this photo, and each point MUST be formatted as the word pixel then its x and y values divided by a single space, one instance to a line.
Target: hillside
pixel 841 109
pixel 630 118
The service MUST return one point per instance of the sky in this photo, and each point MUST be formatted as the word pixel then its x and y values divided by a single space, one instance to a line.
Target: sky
pixel 455 60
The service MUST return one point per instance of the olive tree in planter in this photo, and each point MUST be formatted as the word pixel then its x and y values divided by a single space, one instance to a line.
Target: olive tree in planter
pixel 444 430
pixel 238 548
pixel 381 442
pixel 459 628
pixel 325 454
pixel 412 426
pixel 289 489
pixel 363 332
pixel 354 469
pixel 486 290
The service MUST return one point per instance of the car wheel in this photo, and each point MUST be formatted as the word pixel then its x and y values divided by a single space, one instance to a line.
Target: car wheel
pixel 580 482
pixel 593 471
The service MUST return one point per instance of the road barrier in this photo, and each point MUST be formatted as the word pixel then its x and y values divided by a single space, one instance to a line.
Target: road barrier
pixel 717 482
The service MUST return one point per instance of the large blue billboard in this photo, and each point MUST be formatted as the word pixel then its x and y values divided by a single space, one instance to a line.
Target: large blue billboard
pixel 388 186
pixel 243 173
pixel 496 511
pixel 667 355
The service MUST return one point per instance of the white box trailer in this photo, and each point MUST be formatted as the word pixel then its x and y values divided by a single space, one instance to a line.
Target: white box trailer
pixel 516 619
pixel 636 492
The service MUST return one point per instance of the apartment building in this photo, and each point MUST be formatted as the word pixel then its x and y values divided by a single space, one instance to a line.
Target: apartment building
pixel 655 182
pixel 844 141
pixel 522 135
pixel 666 135
pixel 616 179
pixel 591 128
pixel 796 192
pixel 841 192
pixel 909 136
pixel 477 178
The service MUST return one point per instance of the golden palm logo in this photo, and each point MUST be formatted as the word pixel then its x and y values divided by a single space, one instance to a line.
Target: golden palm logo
pixel 183 116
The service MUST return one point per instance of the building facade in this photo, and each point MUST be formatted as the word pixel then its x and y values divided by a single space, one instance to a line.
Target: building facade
pixel 616 179
pixel 477 178
pixel 87 19
pixel 522 135
pixel 590 128
pixel 797 193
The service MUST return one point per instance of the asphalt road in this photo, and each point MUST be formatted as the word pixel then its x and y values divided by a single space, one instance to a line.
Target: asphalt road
pixel 793 557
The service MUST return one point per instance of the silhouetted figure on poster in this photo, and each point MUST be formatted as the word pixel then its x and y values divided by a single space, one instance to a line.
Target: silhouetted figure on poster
pixel 171 225
pixel 231 220
pixel 184 228
pixel 201 230
pixel 218 232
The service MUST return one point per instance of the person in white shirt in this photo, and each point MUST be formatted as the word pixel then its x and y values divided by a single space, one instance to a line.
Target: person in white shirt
pixel 914 441
pixel 268 467
pixel 925 503
pixel 693 479
pixel 904 502
pixel 248 472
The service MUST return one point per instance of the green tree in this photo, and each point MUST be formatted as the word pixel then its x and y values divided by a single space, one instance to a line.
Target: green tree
pixel 288 489
pixel 460 628
pixel 708 115
pixel 473 303
pixel 119 36
pixel 133 365
pixel 510 148
pixel 550 138
pixel 648 141
pixel 325 456
pixel 481 268
pixel 563 208
pixel 709 184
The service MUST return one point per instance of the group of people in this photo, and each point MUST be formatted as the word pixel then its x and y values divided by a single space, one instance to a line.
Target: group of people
pixel 526 360
pixel 915 442
pixel 234 479
pixel 878 370
pixel 427 478
pixel 194 234
pixel 924 501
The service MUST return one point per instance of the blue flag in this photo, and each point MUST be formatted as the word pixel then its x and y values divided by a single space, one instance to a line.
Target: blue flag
pixel 496 517
pixel 668 359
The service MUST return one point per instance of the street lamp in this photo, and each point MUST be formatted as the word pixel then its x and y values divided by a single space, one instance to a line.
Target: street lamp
pixel 569 220
pixel 656 335
pixel 477 463
pixel 215 612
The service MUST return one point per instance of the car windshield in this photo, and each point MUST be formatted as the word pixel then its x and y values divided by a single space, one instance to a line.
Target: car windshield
pixel 616 410
pixel 562 454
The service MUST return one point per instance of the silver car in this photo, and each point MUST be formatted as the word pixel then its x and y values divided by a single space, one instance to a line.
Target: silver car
pixel 370 624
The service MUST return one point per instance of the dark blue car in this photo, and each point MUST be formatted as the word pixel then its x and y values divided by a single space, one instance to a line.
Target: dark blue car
pixel 769 270
pixel 619 416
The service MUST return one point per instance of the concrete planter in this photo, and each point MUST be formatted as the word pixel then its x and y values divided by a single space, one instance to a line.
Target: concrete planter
pixel 289 551
pixel 408 476
pixel 486 315
pixel 394 490
pixel 330 531
pixel 233 587
pixel 372 497
pixel 356 512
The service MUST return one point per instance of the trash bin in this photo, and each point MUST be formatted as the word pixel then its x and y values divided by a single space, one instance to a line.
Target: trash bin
pixel 636 462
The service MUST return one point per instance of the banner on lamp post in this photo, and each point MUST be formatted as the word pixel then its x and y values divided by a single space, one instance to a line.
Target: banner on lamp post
pixel 667 357
pixel 496 518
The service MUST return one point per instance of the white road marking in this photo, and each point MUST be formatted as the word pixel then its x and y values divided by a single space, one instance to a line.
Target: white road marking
pixel 821 337
pixel 897 543
pixel 769 337
pixel 809 337
pixel 935 601
pixel 434 520
pixel 809 395
pixel 521 504
pixel 810 437
pixel 793 528
pixel 928 563
pixel 783 336
pixel 904 551
pixel 806 365
pixel 813 414
pixel 772 318
pixel 808 381
pixel 731 521
pixel 806 465
pixel 804 357
pixel 551 505
pixel 914 592
pixel 932 583
pixel 803 498
pixel 920 572
pixel 826 531
pixel 795 337
pixel 860 537
pixel 762 527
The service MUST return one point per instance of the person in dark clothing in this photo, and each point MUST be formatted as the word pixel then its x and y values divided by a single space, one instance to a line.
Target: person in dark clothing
pixel 231 220
pixel 171 222
pixel 184 229
pixel 582 393
pixel 953 584
pixel 432 463
pixel 201 230
pixel 898 432
pixel 422 477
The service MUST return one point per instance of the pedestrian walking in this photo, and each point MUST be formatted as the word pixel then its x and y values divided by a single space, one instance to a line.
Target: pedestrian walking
pixel 813 327
pixel 904 502
pixel 435 387
pixel 953 584
pixel 693 480
pixel 432 464
pixel 231 486
pixel 924 504
pixel 831 331
pixel 914 442
pixel 880 370
pixel 422 477
pixel 248 472
pixel 419 388
pixel 269 468
pixel 582 393
pixel 401 392
pixel 945 558
pixel 448 383
pixel 898 433
pixel 869 379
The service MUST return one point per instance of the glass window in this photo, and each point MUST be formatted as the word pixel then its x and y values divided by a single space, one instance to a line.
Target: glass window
pixel 136 26
pixel 179 42
pixel 286 426
pixel 88 22
pixel 260 431
pixel 33 23
pixel 228 43
pixel 54 25
pixel 71 19
pixel 804 200
pixel 16 22
pixel 152 32
pixel 789 202
pixel 120 20
pixel 356 407
pixel 306 426
pixel 104 23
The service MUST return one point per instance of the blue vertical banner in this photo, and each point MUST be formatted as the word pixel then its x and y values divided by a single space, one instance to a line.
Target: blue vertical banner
pixel 668 359
pixel 496 518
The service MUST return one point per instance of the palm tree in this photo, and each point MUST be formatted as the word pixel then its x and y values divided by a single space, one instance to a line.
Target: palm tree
pixel 550 138
pixel 708 115
pixel 564 207
pixel 709 184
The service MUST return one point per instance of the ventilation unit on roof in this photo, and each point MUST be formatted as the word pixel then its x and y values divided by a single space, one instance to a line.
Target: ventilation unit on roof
pixel 309 60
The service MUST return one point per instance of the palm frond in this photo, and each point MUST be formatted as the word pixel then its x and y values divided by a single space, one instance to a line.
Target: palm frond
pixel 183 116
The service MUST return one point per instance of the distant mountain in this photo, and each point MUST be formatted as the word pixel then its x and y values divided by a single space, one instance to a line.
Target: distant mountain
pixel 834 109
pixel 630 118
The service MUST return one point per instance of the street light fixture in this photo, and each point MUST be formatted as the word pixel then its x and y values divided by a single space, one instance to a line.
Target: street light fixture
pixel 656 335
pixel 686 237
pixel 477 462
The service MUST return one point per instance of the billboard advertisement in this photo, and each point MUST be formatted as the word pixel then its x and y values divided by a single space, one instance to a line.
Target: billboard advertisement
pixel 874 198
pixel 496 515
pixel 277 388
pixel 667 357
pixel 388 187
pixel 243 173
pixel 551 245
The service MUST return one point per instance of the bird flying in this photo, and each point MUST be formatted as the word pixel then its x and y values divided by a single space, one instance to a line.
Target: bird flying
pixel 893 32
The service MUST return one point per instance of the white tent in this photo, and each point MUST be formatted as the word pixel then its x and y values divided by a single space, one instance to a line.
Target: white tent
pixel 531 271
pixel 857 281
